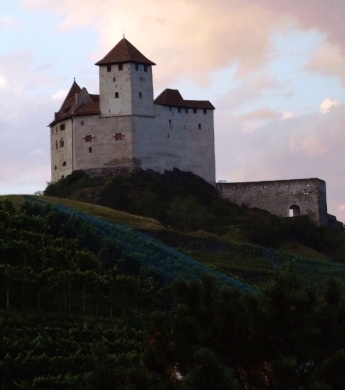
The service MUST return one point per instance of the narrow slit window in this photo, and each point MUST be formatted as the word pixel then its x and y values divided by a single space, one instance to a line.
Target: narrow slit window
pixel 90 150
pixel 56 145
pixel 170 121
pixel 199 126
pixel 64 164
pixel 140 95
pixel 116 95
pixel 62 143
pixel 82 123
pixel 179 109
pixel 136 66
pixel 114 79
pixel 145 68
pixel 186 110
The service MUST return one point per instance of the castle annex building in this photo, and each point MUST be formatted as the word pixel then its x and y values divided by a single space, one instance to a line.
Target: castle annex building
pixel 124 126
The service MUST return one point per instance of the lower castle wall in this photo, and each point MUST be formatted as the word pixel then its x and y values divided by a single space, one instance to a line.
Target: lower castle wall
pixel 278 196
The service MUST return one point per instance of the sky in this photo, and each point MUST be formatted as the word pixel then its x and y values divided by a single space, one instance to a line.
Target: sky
pixel 274 70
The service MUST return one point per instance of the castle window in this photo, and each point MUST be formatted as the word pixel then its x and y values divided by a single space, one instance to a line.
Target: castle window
pixel 120 66
pixel 194 110
pixel 90 150
pixel 116 95
pixel 145 68
pixel 62 143
pixel 62 127
pixel 108 68
pixel 136 66
pixel 140 94
pixel 67 109
pixel 56 145
pixel 114 79
pixel 119 136
pixel 169 108
pixel 89 138
pixel 64 164
pixel 55 167
pixel 199 126
pixel 186 110
pixel 82 123
pixel 204 111
pixel 170 121
pixel 168 135
pixel 179 109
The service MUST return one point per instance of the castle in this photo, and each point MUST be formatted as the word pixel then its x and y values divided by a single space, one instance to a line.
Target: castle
pixel 124 127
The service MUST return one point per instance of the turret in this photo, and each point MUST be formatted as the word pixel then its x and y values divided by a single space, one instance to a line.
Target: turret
pixel 125 82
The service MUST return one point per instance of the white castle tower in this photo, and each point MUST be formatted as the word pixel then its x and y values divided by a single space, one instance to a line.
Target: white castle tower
pixel 124 126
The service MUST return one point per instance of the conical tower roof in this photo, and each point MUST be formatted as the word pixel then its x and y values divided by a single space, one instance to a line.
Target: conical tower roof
pixel 124 51
pixel 73 90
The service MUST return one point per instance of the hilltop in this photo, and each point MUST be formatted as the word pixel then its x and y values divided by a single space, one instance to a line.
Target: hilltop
pixel 185 203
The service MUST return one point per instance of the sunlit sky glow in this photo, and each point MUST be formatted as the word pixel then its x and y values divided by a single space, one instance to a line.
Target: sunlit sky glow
pixel 274 70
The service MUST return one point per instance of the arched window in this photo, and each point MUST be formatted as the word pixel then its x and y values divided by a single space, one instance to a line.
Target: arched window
pixel 116 95
pixel 294 211
pixel 62 143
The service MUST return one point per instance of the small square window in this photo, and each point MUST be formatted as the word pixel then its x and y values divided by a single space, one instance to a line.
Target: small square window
pixel 88 138
pixel 120 66
pixel 108 68
pixel 62 127
pixel 194 110
pixel 118 136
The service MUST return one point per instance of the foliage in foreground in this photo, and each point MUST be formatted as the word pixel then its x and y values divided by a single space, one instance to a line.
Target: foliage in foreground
pixel 201 335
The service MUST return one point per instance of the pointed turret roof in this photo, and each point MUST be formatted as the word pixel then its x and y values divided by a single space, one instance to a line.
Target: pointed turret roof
pixel 124 51
pixel 73 90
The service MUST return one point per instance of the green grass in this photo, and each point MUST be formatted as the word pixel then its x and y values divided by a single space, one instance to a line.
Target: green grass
pixel 113 216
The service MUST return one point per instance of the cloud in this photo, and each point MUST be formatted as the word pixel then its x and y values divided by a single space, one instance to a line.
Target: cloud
pixel 288 115
pixel 327 104
pixel 193 37
pixel 25 112
pixel 329 61
pixel 60 94
pixel 7 21
pixel 259 114
pixel 3 82
pixel 304 146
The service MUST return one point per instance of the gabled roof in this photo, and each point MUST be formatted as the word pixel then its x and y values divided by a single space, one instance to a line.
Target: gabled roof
pixel 124 51
pixel 73 90
pixel 173 98
pixel 82 104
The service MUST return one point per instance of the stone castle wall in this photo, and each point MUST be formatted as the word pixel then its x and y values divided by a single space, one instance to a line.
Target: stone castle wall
pixel 284 198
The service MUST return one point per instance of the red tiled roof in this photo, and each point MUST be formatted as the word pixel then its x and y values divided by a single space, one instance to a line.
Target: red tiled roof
pixel 68 110
pixel 73 90
pixel 88 109
pixel 124 51
pixel 173 98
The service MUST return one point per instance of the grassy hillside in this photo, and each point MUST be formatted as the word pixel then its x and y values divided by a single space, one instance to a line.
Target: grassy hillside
pixel 183 202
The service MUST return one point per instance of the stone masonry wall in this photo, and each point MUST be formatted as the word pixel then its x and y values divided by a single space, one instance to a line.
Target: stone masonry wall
pixel 277 197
